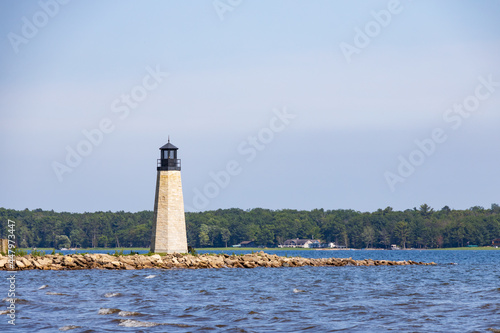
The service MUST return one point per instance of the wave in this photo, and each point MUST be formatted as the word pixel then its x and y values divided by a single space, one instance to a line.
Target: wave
pixel 68 327
pixel 137 323
pixel 105 311
pixel 112 294
pixel 129 313
pixel 54 293
pixel 16 300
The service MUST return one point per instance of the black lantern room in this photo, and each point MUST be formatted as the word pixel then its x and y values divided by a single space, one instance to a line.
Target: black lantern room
pixel 168 158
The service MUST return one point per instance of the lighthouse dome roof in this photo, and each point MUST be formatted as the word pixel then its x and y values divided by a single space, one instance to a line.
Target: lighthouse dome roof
pixel 169 146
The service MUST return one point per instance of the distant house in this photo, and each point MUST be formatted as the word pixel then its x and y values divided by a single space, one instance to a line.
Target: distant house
pixel 304 243
pixel 247 244
pixel 290 243
pixel 495 242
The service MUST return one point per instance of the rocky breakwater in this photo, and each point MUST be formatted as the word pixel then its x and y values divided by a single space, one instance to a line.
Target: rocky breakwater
pixel 106 261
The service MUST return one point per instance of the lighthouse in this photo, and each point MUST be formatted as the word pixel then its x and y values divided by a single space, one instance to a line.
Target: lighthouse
pixel 169 224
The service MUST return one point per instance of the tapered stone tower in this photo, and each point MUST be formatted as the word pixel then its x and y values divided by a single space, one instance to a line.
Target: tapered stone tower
pixel 169 224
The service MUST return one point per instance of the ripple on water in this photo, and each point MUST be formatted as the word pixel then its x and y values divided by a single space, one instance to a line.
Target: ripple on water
pixel 205 292
pixel 106 311
pixel 56 294
pixel 336 299
pixel 217 308
pixel 281 320
pixel 298 290
pixel 129 313
pixel 68 327
pixel 15 300
pixel 137 323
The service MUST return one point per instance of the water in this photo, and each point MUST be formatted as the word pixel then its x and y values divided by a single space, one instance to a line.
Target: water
pixel 459 297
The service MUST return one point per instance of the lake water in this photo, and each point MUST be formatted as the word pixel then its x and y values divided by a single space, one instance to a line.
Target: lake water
pixel 460 294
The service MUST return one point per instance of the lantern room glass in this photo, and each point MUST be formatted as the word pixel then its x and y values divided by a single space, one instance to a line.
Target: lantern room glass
pixel 168 154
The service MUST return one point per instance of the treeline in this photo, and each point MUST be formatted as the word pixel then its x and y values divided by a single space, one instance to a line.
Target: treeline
pixel 417 228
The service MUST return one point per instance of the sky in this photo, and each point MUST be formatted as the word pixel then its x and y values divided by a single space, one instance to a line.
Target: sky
pixel 280 104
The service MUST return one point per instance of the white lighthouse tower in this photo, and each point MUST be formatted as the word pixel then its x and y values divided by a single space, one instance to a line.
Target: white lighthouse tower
pixel 169 224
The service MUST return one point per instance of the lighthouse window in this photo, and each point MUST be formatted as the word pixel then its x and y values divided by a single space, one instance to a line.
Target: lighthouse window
pixel 168 154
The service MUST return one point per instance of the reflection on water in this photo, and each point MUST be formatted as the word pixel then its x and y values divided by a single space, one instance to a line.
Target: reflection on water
pixel 444 298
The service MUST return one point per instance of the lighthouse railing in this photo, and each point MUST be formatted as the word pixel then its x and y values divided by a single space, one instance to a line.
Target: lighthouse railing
pixel 169 164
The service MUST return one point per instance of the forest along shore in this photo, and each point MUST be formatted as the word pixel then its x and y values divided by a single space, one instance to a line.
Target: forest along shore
pixel 169 261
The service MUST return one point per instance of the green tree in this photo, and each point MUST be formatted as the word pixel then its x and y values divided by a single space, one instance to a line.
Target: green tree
pixel 203 237
pixel 368 236
pixel 422 227
pixel 385 238
pixel 265 236
pixel 78 238
pixel 402 231
pixel 103 241
pixel 425 210
pixel 225 235
pixel 495 208
pixel 62 241
pixel 446 210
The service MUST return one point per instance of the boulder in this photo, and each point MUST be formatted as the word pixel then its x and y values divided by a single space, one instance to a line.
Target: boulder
pixel 20 264
pixel 230 262
pixel 69 261
pixel 81 262
pixel 156 260
pixel 126 261
pixel 26 262
pixel 4 262
pixel 249 264
pixel 104 259
pixel 44 262
pixel 117 264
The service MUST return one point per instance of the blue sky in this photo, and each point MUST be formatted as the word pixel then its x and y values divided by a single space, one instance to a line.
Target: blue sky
pixel 263 84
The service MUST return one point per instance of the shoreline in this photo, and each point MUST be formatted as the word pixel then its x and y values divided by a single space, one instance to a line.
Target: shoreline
pixel 186 261
pixel 257 249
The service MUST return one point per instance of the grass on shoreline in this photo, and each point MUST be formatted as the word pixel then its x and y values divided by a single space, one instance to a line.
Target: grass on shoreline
pixel 468 248
pixel 91 249
pixel 255 249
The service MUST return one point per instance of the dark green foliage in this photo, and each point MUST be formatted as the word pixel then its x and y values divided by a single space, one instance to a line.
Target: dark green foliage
pixel 62 241
pixel 36 253
pixel 19 252
pixel 192 251
pixel 38 228
pixel 417 228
